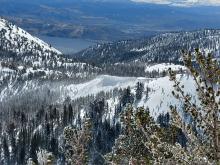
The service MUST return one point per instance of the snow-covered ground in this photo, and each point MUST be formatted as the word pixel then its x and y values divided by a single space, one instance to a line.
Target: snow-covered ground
pixel 4 72
pixel 160 95
pixel 163 67
pixel 101 83
pixel 5 69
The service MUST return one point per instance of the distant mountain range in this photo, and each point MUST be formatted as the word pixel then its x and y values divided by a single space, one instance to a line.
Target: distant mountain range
pixel 106 20
pixel 165 47
pixel 182 3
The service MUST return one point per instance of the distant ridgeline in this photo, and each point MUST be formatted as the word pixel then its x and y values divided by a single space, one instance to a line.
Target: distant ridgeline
pixel 160 48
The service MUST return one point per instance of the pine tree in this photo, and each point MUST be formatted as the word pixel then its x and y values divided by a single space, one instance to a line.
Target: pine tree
pixel 206 74
pixel 77 141
pixel 21 151
pixel 70 113
pixel 65 116
pixel 44 157
pixel 144 142
pixel 129 147
pixel 34 146
pixel 147 93
pixel 6 151
pixel 139 90
pixel 127 97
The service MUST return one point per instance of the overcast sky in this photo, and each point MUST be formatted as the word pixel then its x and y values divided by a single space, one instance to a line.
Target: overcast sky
pixel 183 2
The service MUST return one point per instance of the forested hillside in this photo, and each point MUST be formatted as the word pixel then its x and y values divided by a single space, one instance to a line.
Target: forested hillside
pixel 157 49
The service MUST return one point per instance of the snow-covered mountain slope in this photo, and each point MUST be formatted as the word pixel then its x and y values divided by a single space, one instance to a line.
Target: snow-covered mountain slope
pixel 63 90
pixel 159 97
pixel 19 41
pixel 24 57
pixel 160 48
pixel 101 83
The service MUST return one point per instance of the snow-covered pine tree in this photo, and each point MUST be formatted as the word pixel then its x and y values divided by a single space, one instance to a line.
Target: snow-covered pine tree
pixel 129 147
pixel 206 116
pixel 143 141
pixel 44 157
pixel 139 90
pixel 77 141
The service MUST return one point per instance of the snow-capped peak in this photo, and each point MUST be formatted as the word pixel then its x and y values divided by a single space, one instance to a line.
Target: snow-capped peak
pixel 19 41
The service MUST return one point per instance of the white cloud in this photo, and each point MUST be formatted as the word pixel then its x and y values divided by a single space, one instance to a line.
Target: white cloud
pixel 154 1
pixel 183 2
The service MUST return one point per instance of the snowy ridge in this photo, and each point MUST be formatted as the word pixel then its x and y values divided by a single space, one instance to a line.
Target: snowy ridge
pixel 19 41
pixel 163 67
pixel 159 97
pixel 100 83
